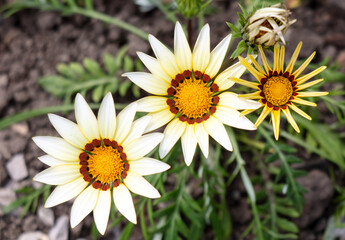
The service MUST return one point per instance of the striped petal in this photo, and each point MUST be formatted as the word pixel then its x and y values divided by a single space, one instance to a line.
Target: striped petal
pixel 85 118
pixel 293 59
pixel 137 130
pixel 124 122
pixel 51 161
pixel 276 123
pixel 201 51
pixel 258 75
pixel 102 211
pixel 202 138
pixel 181 48
pixel 57 147
pixel 65 192
pixel 159 119
pixel 83 205
pixel 68 130
pixel 264 60
pixel 165 57
pixel 233 118
pixel 299 111
pixel 232 100
pixel 148 82
pixel 290 119
pixel 152 104
pixel 188 142
pixel 172 133
pixel 304 65
pixel 124 202
pixel 217 131
pixel 154 67
pixel 58 175
pixel 235 71
pixel 262 116
pixel 107 117
pixel 140 185
pixel 147 166
pixel 217 57
pixel 310 75
pixel 143 145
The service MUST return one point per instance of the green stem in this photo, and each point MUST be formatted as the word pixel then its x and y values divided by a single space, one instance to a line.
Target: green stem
pixel 246 182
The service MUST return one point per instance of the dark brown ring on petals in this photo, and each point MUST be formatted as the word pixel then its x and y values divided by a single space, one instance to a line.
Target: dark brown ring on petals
pixel 197 74
pixel 187 74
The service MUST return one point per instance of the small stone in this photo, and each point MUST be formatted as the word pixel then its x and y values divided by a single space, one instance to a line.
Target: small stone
pixel 16 167
pixel 46 216
pixel 3 80
pixel 7 196
pixel 36 235
pixel 21 128
pixel 60 229
pixel 30 223
pixel 47 20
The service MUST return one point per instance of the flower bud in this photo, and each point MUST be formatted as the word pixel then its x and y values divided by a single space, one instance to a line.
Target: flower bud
pixel 267 25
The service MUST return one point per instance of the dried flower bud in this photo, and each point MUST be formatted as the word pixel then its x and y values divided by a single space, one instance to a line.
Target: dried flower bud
pixel 267 25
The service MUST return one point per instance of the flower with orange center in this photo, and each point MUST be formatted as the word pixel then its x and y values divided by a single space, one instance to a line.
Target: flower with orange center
pixel 192 98
pixel 99 159
pixel 279 89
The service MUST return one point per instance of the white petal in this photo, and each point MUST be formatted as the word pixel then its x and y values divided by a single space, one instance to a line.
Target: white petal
pixel 57 147
pixel 143 145
pixel 217 131
pixel 165 57
pixel 102 211
pixel 181 48
pixel 107 117
pixel 148 166
pixel 233 118
pixel 152 104
pixel 85 118
pixel 217 57
pixel 202 137
pixel 235 71
pixel 148 82
pixel 124 122
pixel 154 66
pixel 83 205
pixel 51 161
pixel 201 52
pixel 140 185
pixel 68 130
pixel 65 192
pixel 188 142
pixel 137 129
pixel 230 99
pixel 124 202
pixel 159 119
pixel 58 175
pixel 172 133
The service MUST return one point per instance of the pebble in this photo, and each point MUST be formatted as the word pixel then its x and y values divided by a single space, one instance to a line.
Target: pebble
pixel 30 223
pixel 7 196
pixel 46 216
pixel 60 229
pixel 36 235
pixel 20 128
pixel 16 167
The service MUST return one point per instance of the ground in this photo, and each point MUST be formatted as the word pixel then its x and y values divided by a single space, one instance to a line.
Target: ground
pixel 32 43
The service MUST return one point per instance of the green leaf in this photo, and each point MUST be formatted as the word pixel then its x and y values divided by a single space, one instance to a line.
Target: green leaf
pixel 111 64
pixel 248 185
pixel 287 211
pixel 287 225
pixel 93 67
pixel 124 88
pixel 55 85
pixel 97 93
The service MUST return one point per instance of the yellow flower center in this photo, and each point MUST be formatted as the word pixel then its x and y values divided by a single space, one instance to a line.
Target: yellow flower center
pixel 193 98
pixel 103 163
pixel 278 90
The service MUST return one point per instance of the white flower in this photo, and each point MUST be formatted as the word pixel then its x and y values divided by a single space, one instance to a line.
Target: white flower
pixel 98 155
pixel 267 25
pixel 192 95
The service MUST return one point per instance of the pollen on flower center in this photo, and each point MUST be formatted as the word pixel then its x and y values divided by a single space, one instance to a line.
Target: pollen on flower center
pixel 193 98
pixel 103 164
pixel 278 90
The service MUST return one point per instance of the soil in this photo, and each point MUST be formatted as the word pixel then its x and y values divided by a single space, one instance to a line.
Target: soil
pixel 32 43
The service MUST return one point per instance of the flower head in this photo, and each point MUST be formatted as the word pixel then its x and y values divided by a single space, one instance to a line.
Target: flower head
pixel 191 97
pixel 279 89
pixel 268 25
pixel 97 158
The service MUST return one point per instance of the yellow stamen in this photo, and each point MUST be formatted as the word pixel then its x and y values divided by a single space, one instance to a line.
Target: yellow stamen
pixel 193 98
pixel 277 90
pixel 105 164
